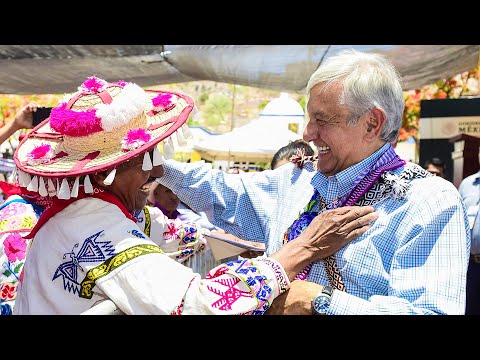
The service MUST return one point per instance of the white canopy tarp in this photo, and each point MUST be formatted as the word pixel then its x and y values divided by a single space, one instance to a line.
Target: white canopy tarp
pixel 257 141
pixel 55 69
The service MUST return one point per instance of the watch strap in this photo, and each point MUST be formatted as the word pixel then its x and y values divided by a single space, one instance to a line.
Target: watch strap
pixel 327 290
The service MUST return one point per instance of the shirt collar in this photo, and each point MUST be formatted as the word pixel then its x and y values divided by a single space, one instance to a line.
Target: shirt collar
pixel 476 181
pixel 346 178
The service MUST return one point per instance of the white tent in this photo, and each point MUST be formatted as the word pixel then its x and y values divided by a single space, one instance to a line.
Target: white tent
pixel 257 141
pixel 284 111
pixel 199 134
pixel 260 139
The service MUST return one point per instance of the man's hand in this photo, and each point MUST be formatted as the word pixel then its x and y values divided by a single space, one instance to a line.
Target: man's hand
pixel 296 300
pixel 333 229
pixel 327 233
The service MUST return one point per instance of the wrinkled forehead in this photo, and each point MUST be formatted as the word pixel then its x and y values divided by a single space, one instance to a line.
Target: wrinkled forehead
pixel 323 96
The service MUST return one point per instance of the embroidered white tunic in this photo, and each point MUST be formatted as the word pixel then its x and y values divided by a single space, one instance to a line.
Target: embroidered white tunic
pixel 91 251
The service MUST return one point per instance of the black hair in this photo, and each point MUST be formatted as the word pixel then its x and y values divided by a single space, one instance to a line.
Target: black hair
pixel 289 150
pixel 435 161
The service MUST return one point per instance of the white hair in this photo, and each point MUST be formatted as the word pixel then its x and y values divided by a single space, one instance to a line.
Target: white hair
pixel 368 80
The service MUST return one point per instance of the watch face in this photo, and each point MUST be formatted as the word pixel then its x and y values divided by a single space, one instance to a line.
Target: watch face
pixel 320 304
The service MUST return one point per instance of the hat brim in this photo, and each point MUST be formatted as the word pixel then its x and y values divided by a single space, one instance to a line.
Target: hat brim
pixel 160 126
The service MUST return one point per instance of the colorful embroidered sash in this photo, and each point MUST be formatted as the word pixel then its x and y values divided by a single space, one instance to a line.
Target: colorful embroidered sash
pixel 364 181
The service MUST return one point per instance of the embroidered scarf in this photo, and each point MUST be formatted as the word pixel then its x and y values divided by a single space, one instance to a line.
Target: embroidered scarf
pixel 388 161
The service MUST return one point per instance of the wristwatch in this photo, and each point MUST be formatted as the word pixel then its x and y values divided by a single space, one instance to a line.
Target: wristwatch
pixel 321 302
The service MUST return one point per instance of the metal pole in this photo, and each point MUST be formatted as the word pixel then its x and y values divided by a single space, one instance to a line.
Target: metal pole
pixel 232 122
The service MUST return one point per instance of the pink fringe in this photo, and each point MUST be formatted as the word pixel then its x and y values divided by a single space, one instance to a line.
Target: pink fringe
pixel 74 123
pixel 162 101
pixel 93 85
pixel 39 152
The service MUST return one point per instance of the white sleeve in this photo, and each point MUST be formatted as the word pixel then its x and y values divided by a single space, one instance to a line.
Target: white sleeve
pixel 152 283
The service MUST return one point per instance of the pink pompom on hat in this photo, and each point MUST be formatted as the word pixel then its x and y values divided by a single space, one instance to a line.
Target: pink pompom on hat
pixel 97 128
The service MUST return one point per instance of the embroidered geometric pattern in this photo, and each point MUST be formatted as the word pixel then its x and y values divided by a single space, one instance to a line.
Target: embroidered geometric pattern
pixel 148 222
pixel 92 250
pixel 189 238
pixel 282 280
pixel 246 274
pixel 113 263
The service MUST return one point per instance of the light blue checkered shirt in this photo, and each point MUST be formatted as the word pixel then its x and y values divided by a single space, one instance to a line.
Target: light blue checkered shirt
pixel 413 260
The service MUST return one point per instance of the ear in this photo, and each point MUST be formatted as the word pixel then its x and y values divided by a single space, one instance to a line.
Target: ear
pixel 374 124
pixel 99 177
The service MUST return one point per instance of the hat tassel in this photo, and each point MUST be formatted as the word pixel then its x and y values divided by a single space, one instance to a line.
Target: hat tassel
pixel 33 186
pixel 186 131
pixel 180 138
pixel 147 163
pixel 23 178
pixel 13 175
pixel 51 188
pixel 168 149
pixel 75 187
pixel 64 192
pixel 109 179
pixel 157 157
pixel 42 189
pixel 87 185
pixel 195 113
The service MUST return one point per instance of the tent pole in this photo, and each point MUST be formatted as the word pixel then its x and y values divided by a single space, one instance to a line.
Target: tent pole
pixel 232 121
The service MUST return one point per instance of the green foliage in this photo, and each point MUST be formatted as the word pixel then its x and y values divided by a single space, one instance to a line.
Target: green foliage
pixel 217 109
pixel 303 102
pixel 262 105
pixel 191 122
pixel 293 127
pixel 182 156
pixel 203 98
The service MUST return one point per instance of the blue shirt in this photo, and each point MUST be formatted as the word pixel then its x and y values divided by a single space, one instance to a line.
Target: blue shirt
pixel 470 192
pixel 413 260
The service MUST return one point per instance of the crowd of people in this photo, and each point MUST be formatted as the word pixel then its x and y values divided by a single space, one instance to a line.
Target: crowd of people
pixel 98 209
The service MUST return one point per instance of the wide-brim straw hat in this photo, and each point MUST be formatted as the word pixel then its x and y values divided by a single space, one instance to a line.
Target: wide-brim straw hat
pixel 97 128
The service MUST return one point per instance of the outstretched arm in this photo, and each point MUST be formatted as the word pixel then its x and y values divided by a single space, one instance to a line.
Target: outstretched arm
pixel 23 120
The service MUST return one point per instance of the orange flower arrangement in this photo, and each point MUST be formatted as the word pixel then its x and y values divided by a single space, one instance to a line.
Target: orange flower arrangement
pixel 464 84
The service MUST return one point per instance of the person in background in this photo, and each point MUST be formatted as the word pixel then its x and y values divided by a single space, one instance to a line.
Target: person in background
pixel 164 199
pixel 413 260
pixel 436 166
pixel 283 155
pixel 96 157
pixel 19 212
pixel 469 190
pixel 235 170
pixel 23 120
